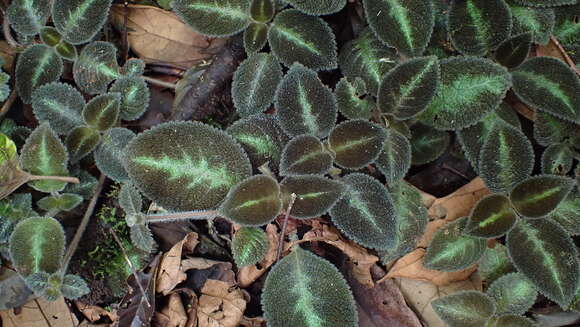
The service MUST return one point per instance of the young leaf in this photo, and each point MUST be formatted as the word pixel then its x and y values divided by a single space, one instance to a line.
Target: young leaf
pixel 134 67
pixel 49 35
pixel 214 18
pixel 544 253
pixel 549 129
pixel 66 50
pixel 513 51
pixel 141 237
pixel 37 282
pixel 4 86
pixel 350 102
pixel 318 7
pixel 566 28
pixel 513 294
pixel 557 159
pixel 451 250
pixel 96 67
pixel 253 202
pixel 60 202
pixel 78 21
pixel 102 112
pixel 262 10
pixel 37 244
pixel 73 287
pixel 567 214
pixel 134 96
pixel 464 309
pixel 506 158
pixel 308 40
pixel 547 84
pixel 545 3
pixel 249 246
pixel 305 154
pixel 305 290
pixel 469 89
pixel 255 38
pixel 407 89
pixel 305 105
pixel 86 187
pixel 36 66
pixel 478 26
pixel 495 263
pixel 27 17
pixel 367 58
pixel 366 213
pixel 109 153
pixel 60 105
pixel 405 25
pixel 356 143
pixel 514 321
pixel 261 137
pixel 491 217
pixel 427 143
pixel 395 158
pixel 7 149
pixel 315 195
pixel 538 21
pixel 538 196
pixel 254 84
pixel 45 155
pixel 185 165
pixel 130 199
pixel 81 141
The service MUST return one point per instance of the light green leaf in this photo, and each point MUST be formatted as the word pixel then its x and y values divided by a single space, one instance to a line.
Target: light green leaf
pixel 249 246
pixel 464 309
pixel 96 67
pixel 214 18
pixel 78 21
pixel 60 202
pixel 49 35
pixel 134 96
pixel 513 294
pixel 60 105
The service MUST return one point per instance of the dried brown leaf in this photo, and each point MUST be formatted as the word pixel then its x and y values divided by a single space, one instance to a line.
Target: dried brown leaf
pixel 172 315
pixel 459 203
pixel 249 274
pixel 253 322
pixel 220 305
pixel 170 272
pixel 94 312
pixel 40 313
pixel 554 49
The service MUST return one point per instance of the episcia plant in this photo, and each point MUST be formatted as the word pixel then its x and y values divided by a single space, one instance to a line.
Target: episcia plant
pixel 70 129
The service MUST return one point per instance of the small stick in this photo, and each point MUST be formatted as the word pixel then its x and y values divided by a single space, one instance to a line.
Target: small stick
pixel 160 83
pixel 7 34
pixel 285 226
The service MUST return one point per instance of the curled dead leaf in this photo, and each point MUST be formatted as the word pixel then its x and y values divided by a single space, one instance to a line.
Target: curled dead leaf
pixel 172 315
pixel 170 272
pixel 220 305
pixel 40 313
pixel 94 312
pixel 459 203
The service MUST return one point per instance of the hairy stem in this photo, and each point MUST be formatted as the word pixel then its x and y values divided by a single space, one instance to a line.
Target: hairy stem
pixel 66 179
pixel 285 226
pixel 186 215
pixel 159 82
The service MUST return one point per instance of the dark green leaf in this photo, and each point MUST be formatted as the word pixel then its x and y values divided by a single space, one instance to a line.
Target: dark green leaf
pixel 538 21
pixel 495 263
pixel 557 159
pixel 513 51
pixel 141 237
pixel 491 217
pixel 28 16
pixel 96 67
pixel 36 66
pixel 73 287
pixel 78 21
pixel 81 141
pixel 109 154
pixel 297 37
pixel 48 35
pixel 356 143
pixel 350 102
pixel 514 321
pixel 464 309
pixel 249 246
pixel 315 195
pixel 262 10
pixel 134 96
pixel 549 129
pixel 214 18
pixel 513 294
pixel 567 29
pixel 130 200
pixel 60 105
pixel 66 50
pixel 427 143
pixel 395 158
pixel 538 196
pixel 305 154
pixel 317 7
pixel 255 37
pixel 545 3
pixel 134 67
pixel 102 112
pixel 567 214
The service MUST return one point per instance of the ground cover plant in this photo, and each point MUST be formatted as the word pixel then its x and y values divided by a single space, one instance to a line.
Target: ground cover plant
pixel 332 115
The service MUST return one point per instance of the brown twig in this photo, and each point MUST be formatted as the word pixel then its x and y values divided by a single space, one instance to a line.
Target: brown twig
pixel 7 34
pixel 285 226
pixel 8 104
pixel 159 82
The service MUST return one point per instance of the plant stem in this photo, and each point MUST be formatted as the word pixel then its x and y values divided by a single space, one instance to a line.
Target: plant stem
pixel 285 226
pixel 8 104
pixel 66 179
pixel 84 223
pixel 186 215
pixel 159 82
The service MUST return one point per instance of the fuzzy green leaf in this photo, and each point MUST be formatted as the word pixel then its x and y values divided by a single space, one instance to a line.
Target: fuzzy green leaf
pixel 513 51
pixel 356 143
pixel 566 28
pixel 305 105
pixel 96 67
pixel 60 105
pixel 141 237
pixel 255 38
pixel 545 3
pixel 315 195
pixel 495 263
pixel 451 250
pixel 102 112
pixel 547 84
pixel 317 7
pixel 395 158
pixel 109 154
pixel 45 155
pixel 305 154
pixel 350 102
pixel 469 89
pixel 407 89
pixel 513 294
pixel 86 187
pixel 367 58
pixel 549 129
pixel 464 309
pixel 405 25
pixel 544 253
pixel 427 143
pixel 27 17
pixel 37 244
pixel 253 202
pixel 262 10
pixel 506 158
pixel 49 35
pixel 7 149
pixel 538 196
pixel 60 202
pixel 37 282
pixel 567 214
pixel 81 141
pixel 66 50
pixel 249 246
pixel 134 96
pixel 491 217
pixel 185 165
pixel 254 84
pixel 557 159
pixel 73 287
pixel 479 26
pixel 130 200
pixel 134 67
pixel 4 86
pixel 538 21
pixel 214 18
pixel 514 321
pixel 304 290
pixel 297 37
pixel 78 21
pixel 261 137
pixel 366 213
pixel 36 66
